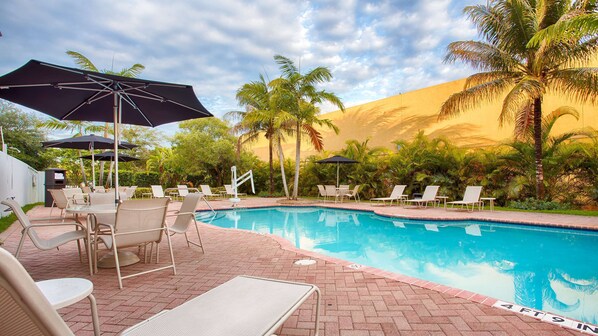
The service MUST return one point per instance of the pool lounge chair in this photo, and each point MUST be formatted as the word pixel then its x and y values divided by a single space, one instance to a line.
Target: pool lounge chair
pixel 207 192
pixel 231 192
pixel 395 195
pixel 428 196
pixel 470 197
pixel 244 305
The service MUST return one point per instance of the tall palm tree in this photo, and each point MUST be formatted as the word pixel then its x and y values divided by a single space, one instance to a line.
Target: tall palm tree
pixel 262 117
pixel 524 73
pixel 297 94
pixel 85 64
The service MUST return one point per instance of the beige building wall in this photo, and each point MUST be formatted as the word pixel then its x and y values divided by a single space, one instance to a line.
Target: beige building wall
pixel 402 116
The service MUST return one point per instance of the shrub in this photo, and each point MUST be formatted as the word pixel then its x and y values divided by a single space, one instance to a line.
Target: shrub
pixel 536 204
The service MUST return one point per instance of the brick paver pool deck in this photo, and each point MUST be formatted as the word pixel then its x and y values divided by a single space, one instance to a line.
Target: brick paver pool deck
pixel 355 302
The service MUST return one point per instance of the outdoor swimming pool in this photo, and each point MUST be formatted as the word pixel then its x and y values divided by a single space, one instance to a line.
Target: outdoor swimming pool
pixel 549 269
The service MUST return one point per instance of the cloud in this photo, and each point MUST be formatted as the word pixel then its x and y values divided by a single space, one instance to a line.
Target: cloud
pixel 374 49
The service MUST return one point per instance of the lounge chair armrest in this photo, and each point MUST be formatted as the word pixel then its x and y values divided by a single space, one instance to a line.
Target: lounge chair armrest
pixel 44 219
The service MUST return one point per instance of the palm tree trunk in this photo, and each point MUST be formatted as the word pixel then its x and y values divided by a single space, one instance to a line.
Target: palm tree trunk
pixel 284 177
pixel 297 161
pixel 271 162
pixel 538 148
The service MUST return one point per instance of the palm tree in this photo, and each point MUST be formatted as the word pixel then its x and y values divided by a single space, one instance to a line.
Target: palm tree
pixel 85 64
pixel 297 94
pixel 525 73
pixel 262 117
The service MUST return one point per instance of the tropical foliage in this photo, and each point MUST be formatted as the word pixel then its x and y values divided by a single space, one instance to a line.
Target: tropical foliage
pixel 521 70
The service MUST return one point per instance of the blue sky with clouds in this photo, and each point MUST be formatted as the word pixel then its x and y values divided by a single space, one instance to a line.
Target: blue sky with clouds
pixel 375 49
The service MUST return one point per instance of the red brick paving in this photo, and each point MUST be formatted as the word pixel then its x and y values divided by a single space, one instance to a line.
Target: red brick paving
pixel 354 302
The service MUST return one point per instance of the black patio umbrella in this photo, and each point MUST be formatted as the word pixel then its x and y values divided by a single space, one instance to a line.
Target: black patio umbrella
pixel 109 156
pixel 73 94
pixel 90 142
pixel 338 160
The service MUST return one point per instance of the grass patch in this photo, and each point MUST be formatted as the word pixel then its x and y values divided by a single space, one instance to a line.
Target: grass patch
pixel 5 222
pixel 575 212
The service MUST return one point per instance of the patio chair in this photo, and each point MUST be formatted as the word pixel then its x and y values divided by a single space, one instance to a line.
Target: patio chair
pixel 29 229
pixel 158 192
pixel 99 189
pixel 186 216
pixel 331 191
pixel 130 192
pixel 86 189
pixel 59 200
pixel 26 310
pixel 428 196
pixel 232 309
pixel 207 191
pixel 354 193
pixel 395 195
pixel 138 223
pixel 341 192
pixel 321 191
pixel 470 197
pixel 103 198
pixel 231 192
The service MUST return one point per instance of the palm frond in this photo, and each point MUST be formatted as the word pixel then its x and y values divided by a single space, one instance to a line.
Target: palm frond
pixel 82 61
pixel 485 77
pixel 524 123
pixel 580 84
pixel 287 66
pixel 315 137
pixel 519 98
pixel 480 55
pixel 549 120
pixel 473 97
pixel 574 28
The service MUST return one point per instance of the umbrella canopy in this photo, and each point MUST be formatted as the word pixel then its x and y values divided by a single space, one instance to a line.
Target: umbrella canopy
pixel 90 142
pixel 109 156
pixel 87 142
pixel 73 94
pixel 338 160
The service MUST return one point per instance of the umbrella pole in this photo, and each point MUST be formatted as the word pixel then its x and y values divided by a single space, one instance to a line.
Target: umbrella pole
pixel 93 169
pixel 116 114
pixel 337 169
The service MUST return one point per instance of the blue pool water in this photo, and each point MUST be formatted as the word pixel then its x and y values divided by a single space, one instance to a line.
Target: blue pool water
pixel 549 269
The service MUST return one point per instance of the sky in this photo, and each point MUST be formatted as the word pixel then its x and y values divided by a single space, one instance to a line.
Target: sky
pixel 374 49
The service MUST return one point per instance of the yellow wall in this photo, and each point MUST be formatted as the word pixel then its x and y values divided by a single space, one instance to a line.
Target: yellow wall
pixel 400 117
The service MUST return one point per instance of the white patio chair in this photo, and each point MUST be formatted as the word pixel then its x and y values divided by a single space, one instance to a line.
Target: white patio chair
pixel 354 193
pixel 59 200
pixel 341 192
pixel 138 223
pixel 428 196
pixel 321 191
pixel 185 217
pixel 130 192
pixel 30 230
pixel 74 195
pixel 157 191
pixel 470 197
pixel 395 195
pixel 330 191
pixel 26 310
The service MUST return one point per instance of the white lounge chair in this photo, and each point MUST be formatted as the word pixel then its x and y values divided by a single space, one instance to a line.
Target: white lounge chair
pixel 59 200
pixel 428 196
pixel 186 216
pixel 242 306
pixel 321 191
pixel 138 222
pixel 395 195
pixel 25 308
pixel 157 191
pixel 470 197
pixel 130 192
pixel 207 191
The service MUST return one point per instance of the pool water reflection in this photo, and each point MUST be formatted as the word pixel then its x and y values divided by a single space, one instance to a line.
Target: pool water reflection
pixel 550 269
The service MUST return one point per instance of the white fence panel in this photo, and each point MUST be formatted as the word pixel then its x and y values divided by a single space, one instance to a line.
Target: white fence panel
pixel 19 180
